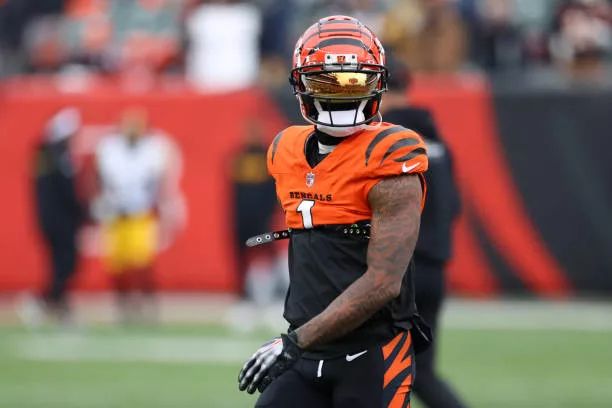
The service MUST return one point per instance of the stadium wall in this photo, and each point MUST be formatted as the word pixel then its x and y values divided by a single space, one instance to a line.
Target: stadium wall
pixel 533 170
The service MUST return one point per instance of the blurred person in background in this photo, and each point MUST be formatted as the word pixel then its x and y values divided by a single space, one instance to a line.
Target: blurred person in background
pixel 223 53
pixel 146 35
pixel 15 18
pixel 498 36
pixel 43 48
pixel 60 215
pixel 277 19
pixel 581 37
pixel 434 246
pixel 140 207
pixel 136 38
pixel 369 12
pixel 86 33
pixel 255 204
pixel 427 35
pixel 533 23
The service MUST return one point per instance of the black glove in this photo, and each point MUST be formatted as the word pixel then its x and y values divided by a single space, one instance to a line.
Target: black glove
pixel 271 360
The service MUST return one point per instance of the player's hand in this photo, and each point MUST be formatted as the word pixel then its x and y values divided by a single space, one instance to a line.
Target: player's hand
pixel 290 354
pixel 271 360
pixel 258 365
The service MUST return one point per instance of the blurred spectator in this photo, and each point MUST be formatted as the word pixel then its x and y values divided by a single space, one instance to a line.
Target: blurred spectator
pixel 427 35
pixel 223 52
pixel 87 32
pixel 141 36
pixel 533 22
pixel 276 42
pixel 59 211
pixel 139 206
pixel 123 35
pixel 263 271
pixel 254 205
pixel 44 50
pixel 139 39
pixel 15 15
pixel 581 36
pixel 369 12
pixel 146 33
pixel 498 36
pixel 277 19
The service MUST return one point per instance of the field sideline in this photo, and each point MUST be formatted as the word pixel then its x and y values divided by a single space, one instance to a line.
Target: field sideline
pixel 499 354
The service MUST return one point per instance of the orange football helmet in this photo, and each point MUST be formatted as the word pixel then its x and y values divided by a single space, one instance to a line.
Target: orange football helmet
pixel 339 65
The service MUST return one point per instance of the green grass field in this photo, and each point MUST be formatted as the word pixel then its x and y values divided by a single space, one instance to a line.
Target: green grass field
pixel 191 366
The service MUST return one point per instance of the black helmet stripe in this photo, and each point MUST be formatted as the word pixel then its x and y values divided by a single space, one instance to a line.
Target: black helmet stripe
pixel 398 145
pixel 379 138
pixel 338 30
pixel 340 41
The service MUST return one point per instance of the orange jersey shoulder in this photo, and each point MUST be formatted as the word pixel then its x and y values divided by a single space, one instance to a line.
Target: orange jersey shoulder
pixel 392 150
pixel 335 191
pixel 284 146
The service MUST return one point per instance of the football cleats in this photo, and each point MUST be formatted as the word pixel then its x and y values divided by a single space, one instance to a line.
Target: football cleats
pixel 339 73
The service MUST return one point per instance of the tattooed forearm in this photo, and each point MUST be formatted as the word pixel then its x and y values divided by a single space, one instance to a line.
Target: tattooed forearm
pixel 396 204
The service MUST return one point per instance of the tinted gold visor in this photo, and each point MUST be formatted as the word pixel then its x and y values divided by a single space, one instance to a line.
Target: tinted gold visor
pixel 341 84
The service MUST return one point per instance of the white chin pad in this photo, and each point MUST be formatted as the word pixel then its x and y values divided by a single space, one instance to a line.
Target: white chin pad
pixel 341 117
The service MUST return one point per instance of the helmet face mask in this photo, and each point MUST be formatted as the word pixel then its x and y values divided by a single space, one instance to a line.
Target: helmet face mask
pixel 338 68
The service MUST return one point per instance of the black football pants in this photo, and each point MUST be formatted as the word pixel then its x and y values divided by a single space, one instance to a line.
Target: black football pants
pixel 378 377
pixel 63 253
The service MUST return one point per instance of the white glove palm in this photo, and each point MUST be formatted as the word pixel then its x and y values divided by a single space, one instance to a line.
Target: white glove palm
pixel 255 369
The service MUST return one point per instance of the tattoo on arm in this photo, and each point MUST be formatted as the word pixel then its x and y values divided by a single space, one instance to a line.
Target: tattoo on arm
pixel 396 212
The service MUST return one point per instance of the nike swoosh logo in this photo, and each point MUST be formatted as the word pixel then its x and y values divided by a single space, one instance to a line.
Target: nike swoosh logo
pixel 352 357
pixel 406 169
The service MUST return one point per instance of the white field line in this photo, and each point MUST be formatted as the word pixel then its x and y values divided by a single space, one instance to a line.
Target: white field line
pixel 458 315
pixel 81 346
pixel 527 315
pixel 156 349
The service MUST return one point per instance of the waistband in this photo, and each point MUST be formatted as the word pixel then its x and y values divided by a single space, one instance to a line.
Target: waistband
pixel 376 333
pixel 360 229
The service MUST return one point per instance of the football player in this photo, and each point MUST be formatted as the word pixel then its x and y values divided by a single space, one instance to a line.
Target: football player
pixel 352 190
pixel 139 206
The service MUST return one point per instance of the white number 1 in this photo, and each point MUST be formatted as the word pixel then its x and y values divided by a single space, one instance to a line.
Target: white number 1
pixel 304 208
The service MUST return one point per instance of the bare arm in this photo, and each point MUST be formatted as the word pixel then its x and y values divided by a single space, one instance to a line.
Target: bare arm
pixel 396 207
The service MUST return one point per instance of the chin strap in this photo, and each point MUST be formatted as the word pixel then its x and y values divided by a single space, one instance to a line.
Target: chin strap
pixel 378 123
